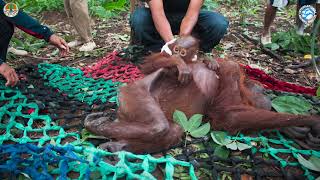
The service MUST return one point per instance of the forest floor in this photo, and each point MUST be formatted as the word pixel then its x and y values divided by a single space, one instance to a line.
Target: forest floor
pixel 114 34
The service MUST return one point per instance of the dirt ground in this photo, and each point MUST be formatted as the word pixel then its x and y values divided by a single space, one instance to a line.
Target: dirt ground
pixel 114 34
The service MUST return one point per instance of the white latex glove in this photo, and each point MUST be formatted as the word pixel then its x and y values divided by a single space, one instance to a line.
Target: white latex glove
pixel 166 48
pixel 280 3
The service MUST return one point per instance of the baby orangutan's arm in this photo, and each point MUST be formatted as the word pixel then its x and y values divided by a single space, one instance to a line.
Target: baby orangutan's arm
pixel 159 60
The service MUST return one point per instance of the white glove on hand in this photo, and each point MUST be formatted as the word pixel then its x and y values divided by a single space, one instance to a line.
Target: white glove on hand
pixel 280 3
pixel 166 48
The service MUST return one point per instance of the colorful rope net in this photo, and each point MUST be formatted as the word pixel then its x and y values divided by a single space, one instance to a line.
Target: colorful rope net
pixel 275 84
pixel 49 148
pixel 272 155
pixel 71 82
pixel 53 162
pixel 48 110
pixel 115 68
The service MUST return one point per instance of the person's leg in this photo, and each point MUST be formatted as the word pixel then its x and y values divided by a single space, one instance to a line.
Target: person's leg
pixel 81 22
pixel 6 32
pixel 318 16
pixel 300 26
pixel 211 27
pixel 81 19
pixel 269 17
pixel 318 10
pixel 144 31
pixel 68 11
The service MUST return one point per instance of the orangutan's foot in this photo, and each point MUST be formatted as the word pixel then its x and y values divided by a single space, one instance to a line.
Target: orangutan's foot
pixel 296 132
pixel 95 121
pixel 113 146
pixel 304 136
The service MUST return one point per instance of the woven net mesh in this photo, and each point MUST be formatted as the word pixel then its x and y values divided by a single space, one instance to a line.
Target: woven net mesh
pixel 42 136
pixel 46 127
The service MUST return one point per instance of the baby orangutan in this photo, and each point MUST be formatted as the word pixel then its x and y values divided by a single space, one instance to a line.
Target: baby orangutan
pixel 181 81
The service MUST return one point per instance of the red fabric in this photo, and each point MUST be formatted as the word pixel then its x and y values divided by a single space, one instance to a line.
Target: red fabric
pixel 113 67
pixel 39 36
pixel 30 111
pixel 274 84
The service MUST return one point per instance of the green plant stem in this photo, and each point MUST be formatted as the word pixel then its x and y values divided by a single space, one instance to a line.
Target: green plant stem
pixel 313 44
pixel 185 141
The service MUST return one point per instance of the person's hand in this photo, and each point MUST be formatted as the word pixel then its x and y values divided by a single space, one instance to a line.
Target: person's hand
pixel 166 48
pixel 9 74
pixel 59 43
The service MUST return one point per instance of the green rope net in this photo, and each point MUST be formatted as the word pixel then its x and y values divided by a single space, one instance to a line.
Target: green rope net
pixel 23 122
pixel 72 82
pixel 17 125
pixel 276 145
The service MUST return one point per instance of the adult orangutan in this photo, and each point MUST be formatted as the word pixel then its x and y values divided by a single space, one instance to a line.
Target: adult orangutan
pixel 231 101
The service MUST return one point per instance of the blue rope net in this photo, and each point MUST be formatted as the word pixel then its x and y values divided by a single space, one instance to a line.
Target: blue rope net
pixel 45 125
pixel 42 146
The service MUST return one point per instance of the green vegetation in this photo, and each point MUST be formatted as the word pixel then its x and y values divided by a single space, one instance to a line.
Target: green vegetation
pixel 98 8
pixel 192 126
pixel 290 41
pixel 291 104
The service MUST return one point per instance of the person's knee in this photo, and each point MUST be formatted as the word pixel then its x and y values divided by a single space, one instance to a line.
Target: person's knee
pixel 140 18
pixel 214 26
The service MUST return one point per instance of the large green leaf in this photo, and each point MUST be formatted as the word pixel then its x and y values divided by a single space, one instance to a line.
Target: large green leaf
pixel 242 146
pixel 220 137
pixel 232 146
pixel 194 122
pixel 180 118
pixel 201 131
pixel 272 46
pixel 221 152
pixel 291 104
pixel 313 163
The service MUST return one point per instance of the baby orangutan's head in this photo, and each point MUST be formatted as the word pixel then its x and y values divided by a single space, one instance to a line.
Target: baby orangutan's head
pixel 186 47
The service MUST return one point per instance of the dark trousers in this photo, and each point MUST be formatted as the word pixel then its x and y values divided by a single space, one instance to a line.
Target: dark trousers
pixel 6 32
pixel 210 28
pixel 302 2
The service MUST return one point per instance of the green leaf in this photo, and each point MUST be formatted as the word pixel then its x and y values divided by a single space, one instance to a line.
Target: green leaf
pixel 318 178
pixel 242 146
pixel 291 104
pixel 318 91
pixel 194 122
pixel 201 131
pixel 221 152
pixel 180 118
pixel 24 176
pixel 313 163
pixel 220 137
pixel 232 146
pixel 272 46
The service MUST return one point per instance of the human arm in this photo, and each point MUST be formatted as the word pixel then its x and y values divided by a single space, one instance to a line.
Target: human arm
pixel 191 17
pixel 160 20
pixel 31 26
